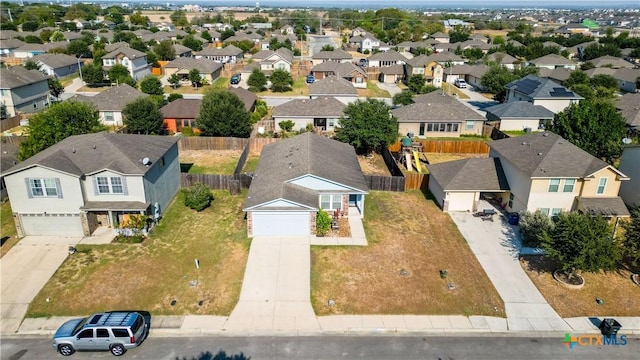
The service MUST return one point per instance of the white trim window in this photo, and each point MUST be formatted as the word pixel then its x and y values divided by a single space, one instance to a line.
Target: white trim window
pixel 602 185
pixel 469 125
pixel 330 202
pixel 47 187
pixel 569 185
pixel 109 185
pixel 554 185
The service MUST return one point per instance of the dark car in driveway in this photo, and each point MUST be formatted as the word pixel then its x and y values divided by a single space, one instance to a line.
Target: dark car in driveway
pixel 235 79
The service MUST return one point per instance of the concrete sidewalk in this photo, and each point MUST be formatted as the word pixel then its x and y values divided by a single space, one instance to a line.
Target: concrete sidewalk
pixel 496 245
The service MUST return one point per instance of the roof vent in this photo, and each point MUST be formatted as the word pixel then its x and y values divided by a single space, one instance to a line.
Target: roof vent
pixel 73 150
pixel 545 134
pixel 94 147
pixel 540 154
pixel 146 161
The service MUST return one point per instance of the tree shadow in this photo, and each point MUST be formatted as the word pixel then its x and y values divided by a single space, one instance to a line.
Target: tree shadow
pixel 4 240
pixel 220 355
pixel 185 167
pixel 541 264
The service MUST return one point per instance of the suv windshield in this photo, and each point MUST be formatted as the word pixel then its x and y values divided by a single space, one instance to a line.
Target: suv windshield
pixel 80 326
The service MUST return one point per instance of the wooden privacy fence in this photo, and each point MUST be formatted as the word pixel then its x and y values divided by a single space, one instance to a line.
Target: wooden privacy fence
pixel 13 140
pixel 449 146
pixel 224 143
pixel 10 123
pixel 215 181
pixel 415 181
pixel 385 183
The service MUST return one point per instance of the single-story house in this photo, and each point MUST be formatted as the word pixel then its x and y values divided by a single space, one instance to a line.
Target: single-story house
pixel 322 112
pixel 180 113
pixel 228 54
pixel 336 55
pixel 348 71
pixel 92 180
pixel 111 102
pixel 552 61
pixel 297 177
pixel 333 86
pixel 437 115
pixel 208 69
pixel 519 115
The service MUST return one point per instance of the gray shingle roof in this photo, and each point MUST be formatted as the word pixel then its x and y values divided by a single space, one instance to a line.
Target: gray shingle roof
pixel 320 107
pixel 390 55
pixel 557 74
pixel 539 88
pixel 181 49
pixel 611 60
pixel 112 99
pixel 204 66
pixel 86 154
pixel 435 106
pixel 225 51
pixel 441 57
pixel 182 109
pixel 248 98
pixel 520 110
pixel 336 54
pixel 306 154
pixel 11 44
pixel 55 60
pixel 546 154
pixel 502 58
pixel 551 59
pixel 396 69
pixel 17 76
pixel 338 69
pixel 332 86
pixel 605 206
pixel 9 156
pixel 629 107
pixel 127 51
pixel 470 174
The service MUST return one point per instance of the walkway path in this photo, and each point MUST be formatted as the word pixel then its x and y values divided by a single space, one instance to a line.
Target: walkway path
pixel 497 244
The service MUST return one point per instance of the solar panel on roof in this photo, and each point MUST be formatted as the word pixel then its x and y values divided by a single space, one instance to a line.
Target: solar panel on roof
pixel 528 86
pixel 560 92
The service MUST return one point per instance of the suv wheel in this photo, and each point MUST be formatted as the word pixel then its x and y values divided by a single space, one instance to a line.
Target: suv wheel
pixel 117 349
pixel 66 349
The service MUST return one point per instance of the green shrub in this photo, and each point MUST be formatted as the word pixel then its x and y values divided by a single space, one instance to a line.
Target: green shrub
pixel 323 222
pixel 188 131
pixel 132 239
pixel 286 125
pixel 533 226
pixel 174 96
pixel 198 197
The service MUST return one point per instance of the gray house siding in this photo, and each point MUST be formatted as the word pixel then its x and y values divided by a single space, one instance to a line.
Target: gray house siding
pixel 28 99
pixel 163 182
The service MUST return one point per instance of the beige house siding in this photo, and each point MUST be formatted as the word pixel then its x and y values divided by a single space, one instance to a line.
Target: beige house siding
pixel 21 202
pixel 133 184
pixel 590 187
pixel 554 105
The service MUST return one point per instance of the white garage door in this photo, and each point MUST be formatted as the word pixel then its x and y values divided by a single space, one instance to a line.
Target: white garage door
pixel 460 201
pixel 52 224
pixel 281 223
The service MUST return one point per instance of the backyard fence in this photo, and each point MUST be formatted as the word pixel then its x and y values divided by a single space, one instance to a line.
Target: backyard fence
pixel 223 143
pixel 215 181
pixel 13 140
pixel 385 183
pixel 415 181
pixel 448 146
pixel 10 123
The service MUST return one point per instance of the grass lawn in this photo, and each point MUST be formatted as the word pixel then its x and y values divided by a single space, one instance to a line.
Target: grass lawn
pixel 621 296
pixel 373 90
pixel 436 158
pixel 149 276
pixel 299 88
pixel 210 162
pixel 7 228
pixel 452 90
pixel 96 89
pixel 406 232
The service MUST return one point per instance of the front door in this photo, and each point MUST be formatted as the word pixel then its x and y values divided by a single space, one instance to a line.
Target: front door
pixel 353 200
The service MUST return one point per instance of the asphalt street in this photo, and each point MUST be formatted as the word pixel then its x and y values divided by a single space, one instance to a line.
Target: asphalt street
pixel 382 347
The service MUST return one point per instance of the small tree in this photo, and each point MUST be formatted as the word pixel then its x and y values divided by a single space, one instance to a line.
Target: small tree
pixel 174 96
pixel 93 74
pixel 119 74
pixel 222 113
pixel 416 83
pixel 174 80
pixel 31 65
pixel 327 48
pixel 533 227
pixel 281 81
pixel 286 125
pixel 192 43
pixel 323 223
pixel 55 87
pixel 198 197
pixel 165 50
pixel 403 98
pixel 367 126
pixel 581 242
pixel 141 116
pixel 632 237
pixel 151 85
pixel 195 78
pixel 257 81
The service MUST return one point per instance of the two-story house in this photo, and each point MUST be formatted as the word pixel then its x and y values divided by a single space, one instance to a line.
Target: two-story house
pixel 268 61
pixel 57 65
pixel 540 91
pixel 336 55
pixel 135 61
pixel 111 102
pixel 540 171
pixel 87 181
pixel 23 91
pixel 297 177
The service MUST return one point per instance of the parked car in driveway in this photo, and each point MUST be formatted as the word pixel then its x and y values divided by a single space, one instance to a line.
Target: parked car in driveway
pixel 460 83
pixel 116 331
pixel 235 79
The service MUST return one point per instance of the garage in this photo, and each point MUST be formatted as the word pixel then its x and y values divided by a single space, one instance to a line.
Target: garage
pixel 461 201
pixel 281 223
pixel 51 224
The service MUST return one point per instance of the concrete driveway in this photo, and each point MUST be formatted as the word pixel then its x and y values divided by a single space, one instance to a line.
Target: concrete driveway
pixel 276 287
pixel 496 245
pixel 24 270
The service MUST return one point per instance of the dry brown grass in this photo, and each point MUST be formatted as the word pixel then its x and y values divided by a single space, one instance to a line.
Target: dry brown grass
pixel 373 165
pixel 405 231
pixel 436 158
pixel 150 275
pixel 210 162
pixel 621 296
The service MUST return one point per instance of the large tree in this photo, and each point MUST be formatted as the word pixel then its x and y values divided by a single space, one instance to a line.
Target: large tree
pixel 595 127
pixel 141 116
pixel 93 73
pixel 222 113
pixel 257 81
pixel 57 123
pixel 165 50
pixel 632 237
pixel 119 74
pixel 192 43
pixel 498 76
pixel 151 85
pixel 581 242
pixel 367 125
pixel 281 81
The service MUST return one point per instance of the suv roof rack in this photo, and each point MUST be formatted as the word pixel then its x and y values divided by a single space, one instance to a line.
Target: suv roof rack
pixel 116 318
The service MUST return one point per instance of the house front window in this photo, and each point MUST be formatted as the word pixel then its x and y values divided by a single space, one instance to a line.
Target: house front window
pixel 421 132
pixel 568 185
pixel 544 211
pixel 469 125
pixel 556 211
pixel 602 184
pixel 442 127
pixel 330 202
pixel 554 185
pixel 48 187
pixel 110 185
pixel 511 197
pixel 108 116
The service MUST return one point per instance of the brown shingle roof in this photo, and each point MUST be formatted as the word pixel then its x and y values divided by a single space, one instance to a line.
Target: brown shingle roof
pixel 332 86
pixel 182 109
pixel 435 106
pixel 470 174
pixel 112 99
pixel 322 106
